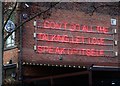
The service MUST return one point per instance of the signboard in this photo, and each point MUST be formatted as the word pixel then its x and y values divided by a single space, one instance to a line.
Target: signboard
pixel 10 26
pixel 64 38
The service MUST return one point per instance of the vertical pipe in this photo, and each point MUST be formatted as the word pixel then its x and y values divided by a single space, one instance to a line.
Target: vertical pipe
pixel 5 73
pixel 20 49
pixel 51 81
pixel 1 46
pixel 119 35
pixel 90 77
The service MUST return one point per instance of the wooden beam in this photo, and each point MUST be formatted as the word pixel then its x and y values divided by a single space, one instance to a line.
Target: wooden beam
pixel 58 76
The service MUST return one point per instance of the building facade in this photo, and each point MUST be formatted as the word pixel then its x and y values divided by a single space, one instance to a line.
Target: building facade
pixel 69 41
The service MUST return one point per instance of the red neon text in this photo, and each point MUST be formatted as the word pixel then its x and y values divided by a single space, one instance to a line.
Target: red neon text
pixel 74 27
pixel 67 39
pixel 102 29
pixel 69 51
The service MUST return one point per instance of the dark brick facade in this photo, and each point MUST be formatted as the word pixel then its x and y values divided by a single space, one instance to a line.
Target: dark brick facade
pixel 76 16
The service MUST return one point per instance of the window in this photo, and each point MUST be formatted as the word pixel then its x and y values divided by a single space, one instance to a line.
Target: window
pixel 11 40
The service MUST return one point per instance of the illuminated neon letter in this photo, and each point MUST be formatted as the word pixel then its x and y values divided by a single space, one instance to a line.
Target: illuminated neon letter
pixel 57 25
pixel 46 24
pixel 65 25
pixel 40 49
pixel 59 50
pixel 44 37
pixel 85 28
pixel 102 29
pixel 101 52
pixel 52 25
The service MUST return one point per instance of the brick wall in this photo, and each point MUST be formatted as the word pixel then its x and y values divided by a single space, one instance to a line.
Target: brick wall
pixel 70 16
pixel 10 55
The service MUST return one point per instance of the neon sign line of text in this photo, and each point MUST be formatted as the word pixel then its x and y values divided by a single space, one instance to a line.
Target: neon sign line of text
pixel 74 27
pixel 70 51
pixel 66 39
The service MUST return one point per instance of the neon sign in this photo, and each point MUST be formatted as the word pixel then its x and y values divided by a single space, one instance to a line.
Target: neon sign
pixel 67 39
pixel 74 27
pixel 69 51
pixel 73 39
